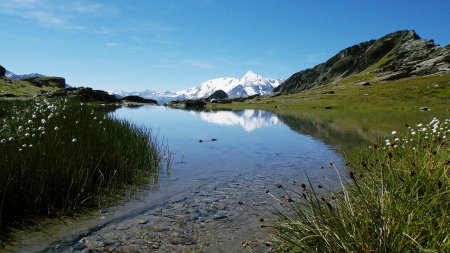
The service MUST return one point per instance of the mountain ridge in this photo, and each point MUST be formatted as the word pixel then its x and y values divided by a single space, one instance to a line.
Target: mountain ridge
pixel 394 56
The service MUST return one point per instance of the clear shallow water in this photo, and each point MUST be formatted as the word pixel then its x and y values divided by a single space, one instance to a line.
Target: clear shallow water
pixel 223 165
pixel 246 140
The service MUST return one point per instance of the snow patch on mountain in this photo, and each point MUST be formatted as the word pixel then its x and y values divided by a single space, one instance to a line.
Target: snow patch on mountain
pixel 11 75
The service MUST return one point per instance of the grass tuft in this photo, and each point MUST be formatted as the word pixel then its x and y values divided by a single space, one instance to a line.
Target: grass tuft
pixel 394 199
pixel 59 156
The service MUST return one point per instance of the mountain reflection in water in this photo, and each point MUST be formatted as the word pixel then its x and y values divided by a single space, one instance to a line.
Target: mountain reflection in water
pixel 249 120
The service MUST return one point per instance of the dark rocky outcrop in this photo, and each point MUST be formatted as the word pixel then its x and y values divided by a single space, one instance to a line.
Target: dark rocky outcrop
pixel 195 103
pixel 190 103
pixel 397 55
pixel 86 94
pixel 218 94
pixel 51 81
pixel 138 99
pixel 2 71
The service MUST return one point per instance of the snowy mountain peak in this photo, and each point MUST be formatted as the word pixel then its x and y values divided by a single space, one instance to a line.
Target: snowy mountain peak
pixel 251 76
pixel 250 84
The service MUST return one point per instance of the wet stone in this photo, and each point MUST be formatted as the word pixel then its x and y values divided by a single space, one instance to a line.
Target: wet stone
pixel 183 240
pixel 140 222
pixel 220 217
pixel 79 246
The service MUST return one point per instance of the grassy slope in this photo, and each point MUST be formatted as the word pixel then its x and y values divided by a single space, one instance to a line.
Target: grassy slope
pixel 406 94
pixel 22 88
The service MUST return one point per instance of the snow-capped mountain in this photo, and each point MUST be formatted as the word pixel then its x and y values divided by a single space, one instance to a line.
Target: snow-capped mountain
pixel 249 84
pixel 160 96
pixel 11 75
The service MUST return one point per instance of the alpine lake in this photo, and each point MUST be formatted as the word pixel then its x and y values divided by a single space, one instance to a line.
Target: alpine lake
pixel 229 173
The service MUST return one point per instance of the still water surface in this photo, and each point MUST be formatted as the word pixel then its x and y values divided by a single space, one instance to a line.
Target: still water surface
pixel 224 164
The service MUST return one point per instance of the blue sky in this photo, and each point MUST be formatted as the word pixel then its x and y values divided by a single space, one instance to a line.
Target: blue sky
pixel 176 44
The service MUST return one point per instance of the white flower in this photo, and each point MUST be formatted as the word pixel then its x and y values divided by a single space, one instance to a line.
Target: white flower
pixel 27 135
pixel 24 145
pixel 394 132
pixel 30 146
pixel 10 139
pixel 20 150
pixel 413 133
pixel 20 128
pixel 43 121
pixel 56 128
pixel 95 118
pixel 419 125
pixel 74 140
pixel 30 121
pixel 41 128
pixel 2 141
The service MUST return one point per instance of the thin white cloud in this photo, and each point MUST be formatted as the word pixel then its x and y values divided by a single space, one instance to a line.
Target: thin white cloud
pixel 112 44
pixel 49 14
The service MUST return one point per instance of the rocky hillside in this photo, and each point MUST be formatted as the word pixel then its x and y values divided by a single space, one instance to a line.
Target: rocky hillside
pixel 394 56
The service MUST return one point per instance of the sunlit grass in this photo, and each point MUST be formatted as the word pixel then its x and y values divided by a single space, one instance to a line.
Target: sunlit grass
pixel 395 199
pixel 59 156
pixel 407 94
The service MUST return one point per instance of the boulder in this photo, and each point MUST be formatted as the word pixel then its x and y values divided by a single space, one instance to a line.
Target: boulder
pixel 363 83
